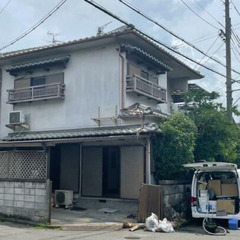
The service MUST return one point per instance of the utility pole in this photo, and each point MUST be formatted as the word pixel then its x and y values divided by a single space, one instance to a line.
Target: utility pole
pixel 228 59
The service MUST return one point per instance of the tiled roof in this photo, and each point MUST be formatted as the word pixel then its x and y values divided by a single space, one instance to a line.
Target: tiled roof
pixel 38 63
pixel 143 53
pixel 85 132
pixel 120 31
pixel 138 110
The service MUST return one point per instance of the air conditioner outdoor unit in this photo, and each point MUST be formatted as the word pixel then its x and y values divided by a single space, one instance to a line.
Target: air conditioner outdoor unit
pixel 16 117
pixel 63 197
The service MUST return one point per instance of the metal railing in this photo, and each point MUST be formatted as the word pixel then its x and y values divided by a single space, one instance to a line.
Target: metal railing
pixel 144 87
pixel 36 93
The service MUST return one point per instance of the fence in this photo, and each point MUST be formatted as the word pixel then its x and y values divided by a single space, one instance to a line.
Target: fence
pixel 24 188
pixel 23 165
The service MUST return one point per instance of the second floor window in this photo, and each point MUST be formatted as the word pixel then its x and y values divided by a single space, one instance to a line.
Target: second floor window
pixel 28 89
pixel 36 81
pixel 144 74
pixel 39 80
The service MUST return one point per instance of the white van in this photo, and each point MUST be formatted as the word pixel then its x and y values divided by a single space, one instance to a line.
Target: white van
pixel 215 190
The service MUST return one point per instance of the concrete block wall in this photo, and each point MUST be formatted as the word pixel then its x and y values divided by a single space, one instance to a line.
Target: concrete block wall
pixel 176 198
pixel 25 200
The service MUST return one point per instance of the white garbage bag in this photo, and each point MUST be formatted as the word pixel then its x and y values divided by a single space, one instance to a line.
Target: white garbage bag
pixel 152 223
pixel 166 226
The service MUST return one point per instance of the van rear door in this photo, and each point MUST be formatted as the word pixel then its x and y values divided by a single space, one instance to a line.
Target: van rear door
pixel 212 166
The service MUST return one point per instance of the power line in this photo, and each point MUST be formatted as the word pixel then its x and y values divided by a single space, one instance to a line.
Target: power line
pixel 36 25
pixel 98 6
pixel 208 49
pixel 207 37
pixel 170 32
pixel 236 37
pixel 204 9
pixel 198 40
pixel 213 53
pixel 5 6
pixel 235 46
pixel 235 8
pixel 198 15
pixel 235 54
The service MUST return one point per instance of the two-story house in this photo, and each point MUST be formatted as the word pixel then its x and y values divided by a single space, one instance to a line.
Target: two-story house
pixel 82 114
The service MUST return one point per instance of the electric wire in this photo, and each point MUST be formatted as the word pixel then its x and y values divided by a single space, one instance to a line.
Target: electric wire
pixel 98 6
pixel 5 6
pixel 236 37
pixel 233 32
pixel 236 101
pixel 35 25
pixel 204 38
pixel 198 40
pixel 234 48
pixel 235 54
pixel 235 8
pixel 198 14
pixel 170 32
pixel 208 50
pixel 204 9
pixel 212 54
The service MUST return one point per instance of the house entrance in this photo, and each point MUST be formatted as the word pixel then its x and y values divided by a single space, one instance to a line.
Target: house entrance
pixel 101 172
pixel 64 167
pixel 111 172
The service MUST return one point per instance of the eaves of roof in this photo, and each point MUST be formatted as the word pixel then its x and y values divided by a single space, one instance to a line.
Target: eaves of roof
pixel 84 132
pixel 44 62
pixel 145 54
pixel 112 34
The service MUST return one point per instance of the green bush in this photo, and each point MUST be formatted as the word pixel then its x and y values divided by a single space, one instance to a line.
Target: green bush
pixel 174 147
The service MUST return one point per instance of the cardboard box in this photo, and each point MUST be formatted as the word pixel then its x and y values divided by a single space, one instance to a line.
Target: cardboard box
pixel 215 185
pixel 227 181
pixel 230 190
pixel 226 205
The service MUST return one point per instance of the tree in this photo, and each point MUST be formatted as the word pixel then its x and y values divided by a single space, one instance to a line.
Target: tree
pixel 218 137
pixel 174 147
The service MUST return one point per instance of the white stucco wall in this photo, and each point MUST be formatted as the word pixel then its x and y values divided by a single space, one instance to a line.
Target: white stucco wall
pixel 162 81
pixel 173 85
pixel 92 79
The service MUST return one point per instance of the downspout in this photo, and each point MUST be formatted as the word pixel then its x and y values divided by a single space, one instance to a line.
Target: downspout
pixel 148 161
pixel 122 78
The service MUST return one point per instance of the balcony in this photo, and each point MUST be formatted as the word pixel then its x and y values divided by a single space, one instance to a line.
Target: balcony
pixel 144 87
pixel 36 93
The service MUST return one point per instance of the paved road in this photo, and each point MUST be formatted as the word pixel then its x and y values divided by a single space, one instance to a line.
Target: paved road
pixel 9 231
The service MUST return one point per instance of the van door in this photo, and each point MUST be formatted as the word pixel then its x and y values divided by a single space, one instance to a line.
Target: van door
pixel 212 166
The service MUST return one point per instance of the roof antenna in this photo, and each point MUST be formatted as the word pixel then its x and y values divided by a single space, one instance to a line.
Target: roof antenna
pixel 101 28
pixel 53 35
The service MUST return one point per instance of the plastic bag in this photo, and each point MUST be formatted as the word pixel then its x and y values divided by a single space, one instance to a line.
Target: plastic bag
pixel 154 225
pixel 152 222
pixel 166 226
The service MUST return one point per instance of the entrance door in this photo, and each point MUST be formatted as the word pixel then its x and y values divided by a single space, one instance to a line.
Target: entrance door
pixel 111 172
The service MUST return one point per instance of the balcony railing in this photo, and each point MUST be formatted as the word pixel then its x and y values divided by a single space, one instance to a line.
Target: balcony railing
pixel 144 87
pixel 36 93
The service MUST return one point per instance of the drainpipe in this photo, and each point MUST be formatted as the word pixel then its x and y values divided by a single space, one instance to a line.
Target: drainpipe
pixel 122 78
pixel 148 161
